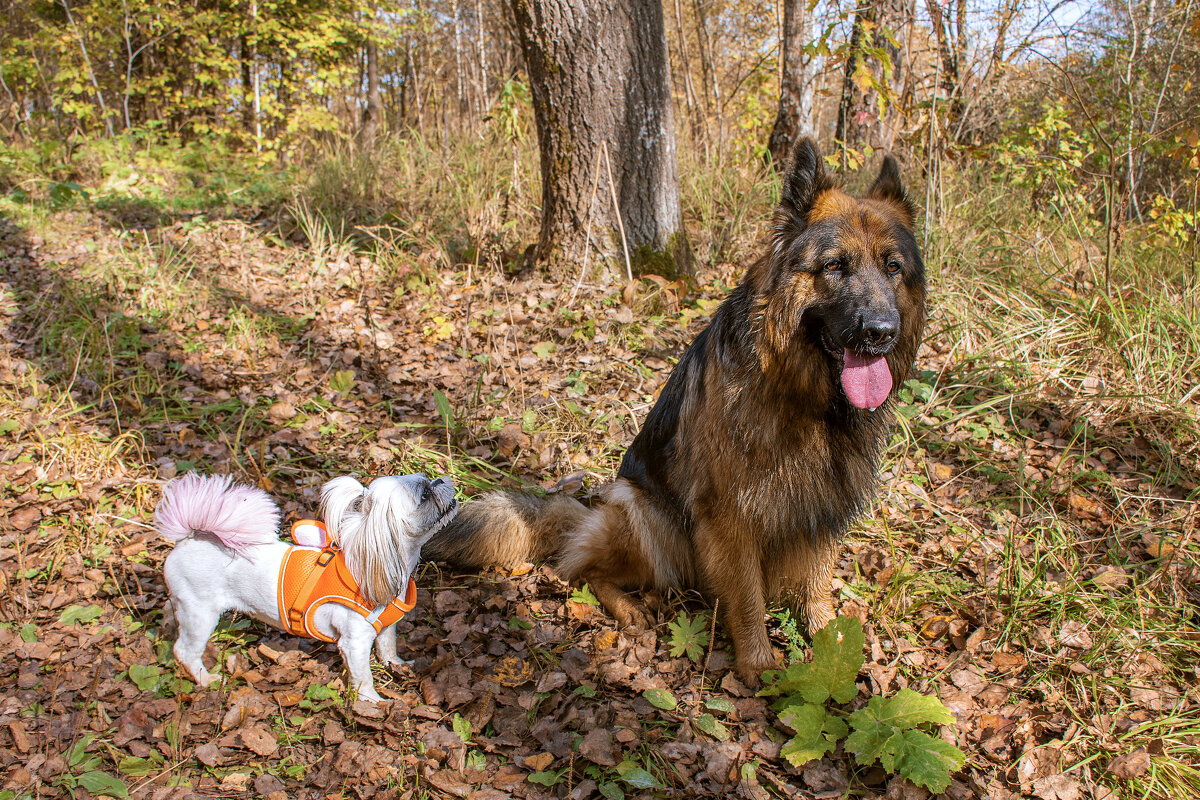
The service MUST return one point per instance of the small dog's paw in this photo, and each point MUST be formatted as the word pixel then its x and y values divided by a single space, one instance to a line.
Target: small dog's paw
pixel 208 679
pixel 398 664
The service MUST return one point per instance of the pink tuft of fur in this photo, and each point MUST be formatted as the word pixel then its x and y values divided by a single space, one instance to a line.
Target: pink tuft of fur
pixel 240 516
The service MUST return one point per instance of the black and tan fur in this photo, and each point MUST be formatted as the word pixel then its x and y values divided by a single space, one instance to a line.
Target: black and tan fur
pixel 753 462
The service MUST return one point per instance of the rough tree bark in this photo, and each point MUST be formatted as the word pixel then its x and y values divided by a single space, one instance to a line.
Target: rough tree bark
pixel 852 99
pixel 859 124
pixel 599 74
pixel 795 96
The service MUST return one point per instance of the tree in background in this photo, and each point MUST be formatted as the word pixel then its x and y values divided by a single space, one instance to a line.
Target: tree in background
pixel 606 132
pixel 874 75
pixel 795 117
pixel 373 113
pixel 288 76
pixel 1097 100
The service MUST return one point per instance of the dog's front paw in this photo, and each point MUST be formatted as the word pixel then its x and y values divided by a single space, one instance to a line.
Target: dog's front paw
pixel 398 663
pixel 750 669
pixel 820 613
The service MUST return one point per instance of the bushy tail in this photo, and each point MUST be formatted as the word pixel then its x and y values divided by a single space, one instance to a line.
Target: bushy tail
pixel 238 515
pixel 506 528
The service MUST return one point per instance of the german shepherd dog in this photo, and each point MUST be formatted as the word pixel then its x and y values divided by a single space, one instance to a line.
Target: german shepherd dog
pixel 764 443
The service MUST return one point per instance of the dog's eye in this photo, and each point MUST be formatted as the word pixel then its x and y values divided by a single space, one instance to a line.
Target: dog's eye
pixel 833 265
pixel 894 266
pixel 426 494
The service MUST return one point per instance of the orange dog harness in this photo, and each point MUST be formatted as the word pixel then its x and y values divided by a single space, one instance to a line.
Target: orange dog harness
pixel 311 577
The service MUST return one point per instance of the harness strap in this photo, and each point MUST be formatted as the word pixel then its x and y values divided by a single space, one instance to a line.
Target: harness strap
pixel 374 615
pixel 303 598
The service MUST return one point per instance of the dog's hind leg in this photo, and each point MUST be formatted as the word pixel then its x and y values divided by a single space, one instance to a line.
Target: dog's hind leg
pixel 624 544
pixel 624 609
pixel 196 622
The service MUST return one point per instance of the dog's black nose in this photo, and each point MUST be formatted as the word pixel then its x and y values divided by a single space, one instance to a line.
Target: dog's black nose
pixel 880 329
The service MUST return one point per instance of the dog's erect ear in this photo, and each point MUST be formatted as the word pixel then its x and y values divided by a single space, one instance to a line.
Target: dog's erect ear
pixel 887 186
pixel 805 178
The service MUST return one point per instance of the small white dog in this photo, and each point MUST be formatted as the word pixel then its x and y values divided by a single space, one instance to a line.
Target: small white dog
pixel 229 557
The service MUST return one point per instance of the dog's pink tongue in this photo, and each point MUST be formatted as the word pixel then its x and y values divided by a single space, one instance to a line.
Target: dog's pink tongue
pixel 866 380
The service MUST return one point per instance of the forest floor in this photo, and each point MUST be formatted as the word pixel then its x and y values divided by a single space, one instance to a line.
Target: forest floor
pixel 1033 565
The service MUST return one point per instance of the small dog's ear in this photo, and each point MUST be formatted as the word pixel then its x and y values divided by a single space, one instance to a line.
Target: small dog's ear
pixel 805 178
pixel 376 552
pixel 339 497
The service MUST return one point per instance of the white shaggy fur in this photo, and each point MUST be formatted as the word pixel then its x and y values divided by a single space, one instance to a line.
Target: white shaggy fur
pixel 236 568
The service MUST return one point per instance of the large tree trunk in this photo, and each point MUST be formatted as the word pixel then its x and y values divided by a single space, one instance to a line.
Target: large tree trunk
pixel 859 120
pixel 795 95
pixel 851 106
pixel 599 76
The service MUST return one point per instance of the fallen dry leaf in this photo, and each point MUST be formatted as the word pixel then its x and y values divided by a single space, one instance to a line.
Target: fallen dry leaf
pixel 1087 507
pixel 20 738
pixel 236 782
pixel 539 762
pixel 510 439
pixel 24 518
pixel 1075 634
pixel 449 782
pixel 259 740
pixel 1130 765
pixel 282 410
pixel 209 755
pixel 597 747
pixel 1057 787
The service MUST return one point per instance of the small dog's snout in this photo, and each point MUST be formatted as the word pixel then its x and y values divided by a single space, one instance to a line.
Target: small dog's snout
pixel 881 329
